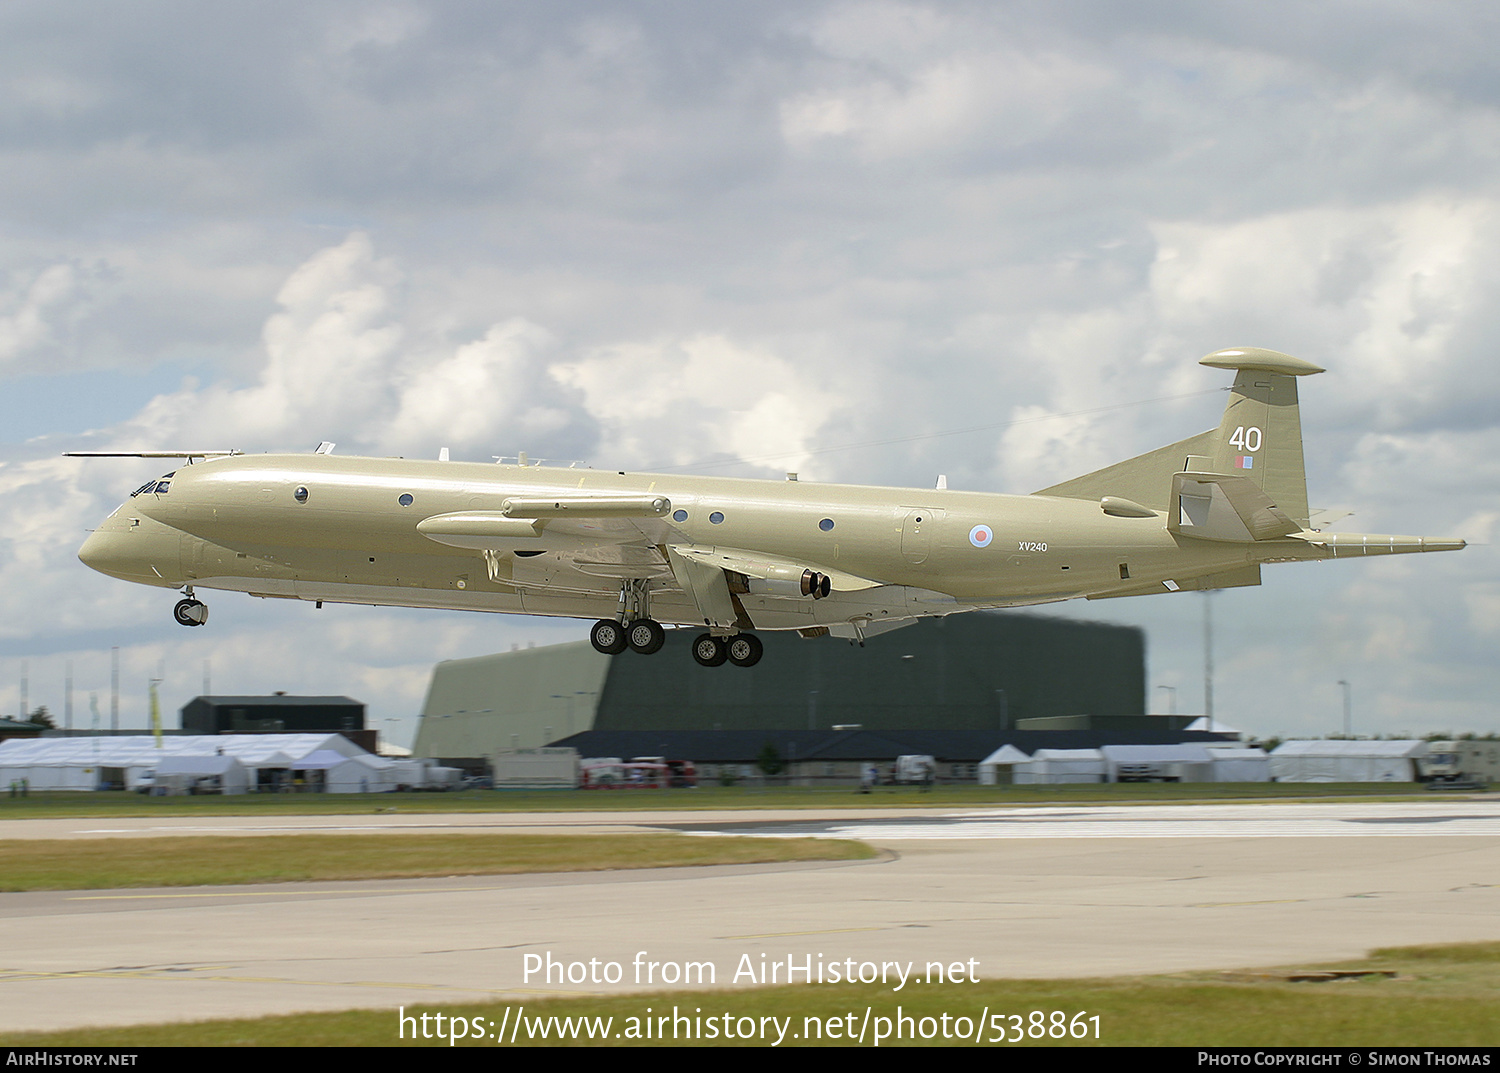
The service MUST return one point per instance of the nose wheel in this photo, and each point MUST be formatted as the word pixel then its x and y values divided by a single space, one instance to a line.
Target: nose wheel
pixel 190 612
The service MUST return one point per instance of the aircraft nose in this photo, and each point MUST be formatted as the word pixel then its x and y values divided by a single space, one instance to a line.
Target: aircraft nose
pixel 126 554
pixel 102 551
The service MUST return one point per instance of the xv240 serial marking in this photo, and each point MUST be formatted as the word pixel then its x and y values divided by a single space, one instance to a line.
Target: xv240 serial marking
pixel 729 555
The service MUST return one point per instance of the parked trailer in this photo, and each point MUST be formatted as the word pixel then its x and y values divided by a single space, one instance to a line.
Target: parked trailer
pixel 549 768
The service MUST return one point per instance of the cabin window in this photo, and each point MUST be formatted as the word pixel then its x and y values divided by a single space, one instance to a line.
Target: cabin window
pixel 405 499
pixel 300 495
pixel 716 517
pixel 826 525
pixel 679 515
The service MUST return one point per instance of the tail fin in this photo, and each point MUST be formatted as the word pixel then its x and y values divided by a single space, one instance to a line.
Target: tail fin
pixel 1261 434
pixel 1259 438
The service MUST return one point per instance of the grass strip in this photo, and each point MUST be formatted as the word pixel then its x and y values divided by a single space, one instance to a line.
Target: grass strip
pixel 189 860
pixel 1447 996
pixel 64 805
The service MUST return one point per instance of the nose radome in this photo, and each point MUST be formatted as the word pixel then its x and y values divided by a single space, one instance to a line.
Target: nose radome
pixel 145 554
pixel 104 551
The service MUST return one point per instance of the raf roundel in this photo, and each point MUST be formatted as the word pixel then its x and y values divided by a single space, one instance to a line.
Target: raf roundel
pixel 981 535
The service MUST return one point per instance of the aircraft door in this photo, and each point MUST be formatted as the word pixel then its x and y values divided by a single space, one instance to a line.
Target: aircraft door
pixel 190 556
pixel 916 534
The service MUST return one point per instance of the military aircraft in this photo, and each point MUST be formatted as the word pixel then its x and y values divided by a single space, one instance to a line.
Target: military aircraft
pixel 730 556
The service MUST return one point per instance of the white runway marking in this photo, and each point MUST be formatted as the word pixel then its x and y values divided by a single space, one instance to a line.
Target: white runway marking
pixel 1420 819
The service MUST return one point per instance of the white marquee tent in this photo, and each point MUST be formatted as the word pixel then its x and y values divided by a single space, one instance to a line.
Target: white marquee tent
pixel 1005 756
pixel 85 763
pixel 1061 765
pixel 1233 763
pixel 1346 761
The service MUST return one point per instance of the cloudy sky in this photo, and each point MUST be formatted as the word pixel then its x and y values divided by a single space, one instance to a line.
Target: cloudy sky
pixel 870 241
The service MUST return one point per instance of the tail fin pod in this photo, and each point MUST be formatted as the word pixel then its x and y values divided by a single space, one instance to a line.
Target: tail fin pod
pixel 1261 434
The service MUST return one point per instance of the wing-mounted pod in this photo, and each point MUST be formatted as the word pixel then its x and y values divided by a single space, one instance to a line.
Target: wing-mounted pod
pixel 546 523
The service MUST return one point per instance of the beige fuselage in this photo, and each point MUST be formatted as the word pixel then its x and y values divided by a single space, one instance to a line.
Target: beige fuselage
pixel 240 523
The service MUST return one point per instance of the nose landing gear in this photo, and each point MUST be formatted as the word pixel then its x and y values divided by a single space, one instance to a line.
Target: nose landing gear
pixel 190 612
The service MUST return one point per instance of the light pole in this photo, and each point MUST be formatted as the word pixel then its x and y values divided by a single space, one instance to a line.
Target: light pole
pixel 1208 656
pixel 1348 711
pixel 1171 699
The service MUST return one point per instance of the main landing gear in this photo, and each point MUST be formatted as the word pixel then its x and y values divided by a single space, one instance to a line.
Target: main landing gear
pixel 642 635
pixel 743 650
pixel 634 628
pixel 646 636
pixel 190 612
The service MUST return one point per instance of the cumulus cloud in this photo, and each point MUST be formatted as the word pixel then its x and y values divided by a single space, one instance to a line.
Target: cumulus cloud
pixel 678 402
pixel 341 363
pixel 767 232
pixel 29 329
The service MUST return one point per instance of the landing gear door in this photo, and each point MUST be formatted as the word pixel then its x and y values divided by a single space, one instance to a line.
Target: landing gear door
pixel 706 586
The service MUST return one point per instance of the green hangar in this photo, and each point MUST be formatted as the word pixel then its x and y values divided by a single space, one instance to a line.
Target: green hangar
pixel 982 671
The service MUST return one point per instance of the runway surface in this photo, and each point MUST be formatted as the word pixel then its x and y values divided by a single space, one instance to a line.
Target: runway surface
pixel 1056 892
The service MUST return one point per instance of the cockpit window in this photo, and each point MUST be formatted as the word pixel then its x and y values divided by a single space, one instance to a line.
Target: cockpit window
pixel 159 485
